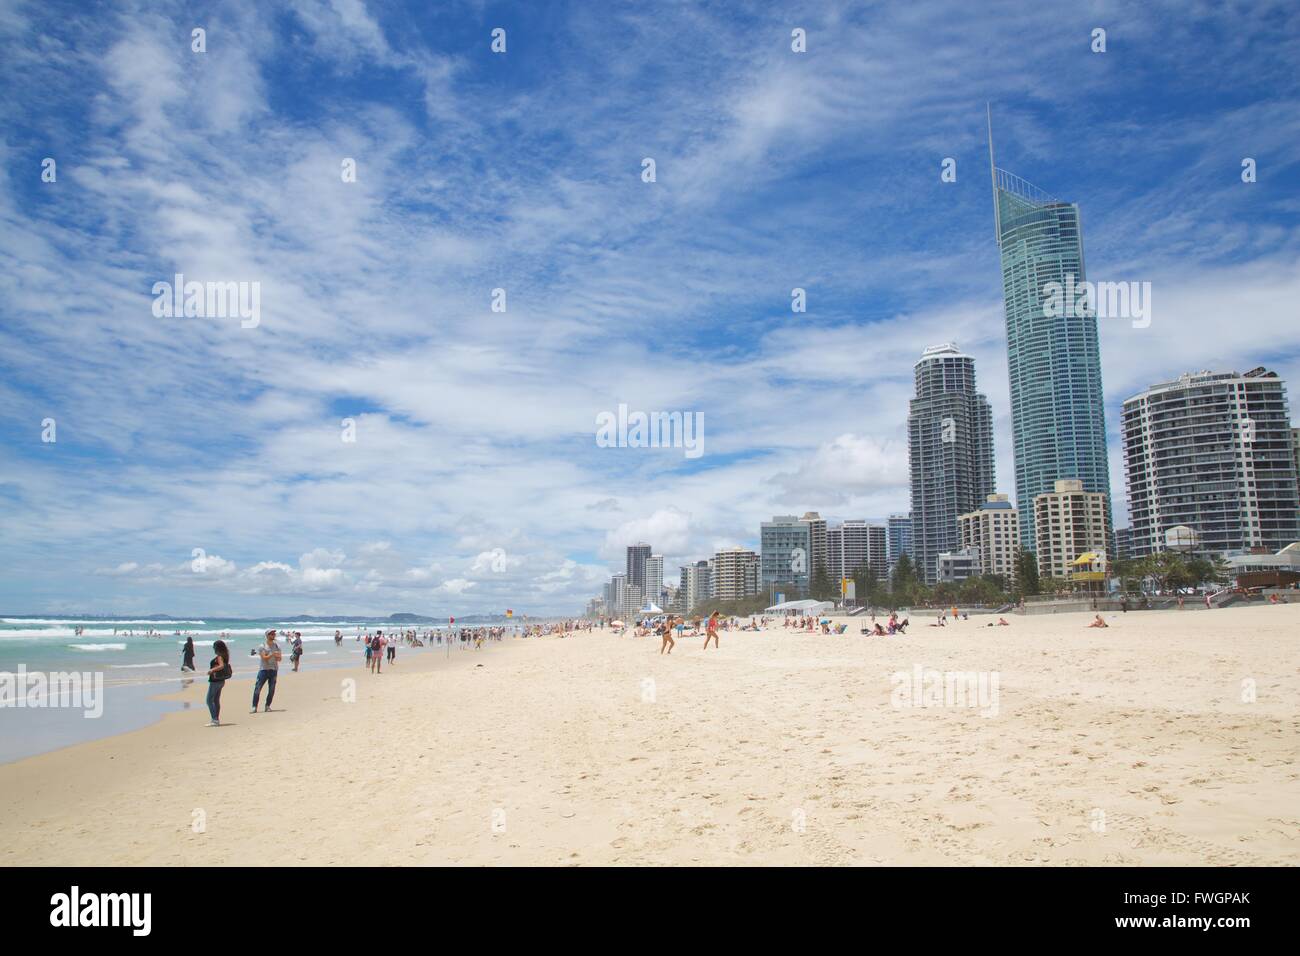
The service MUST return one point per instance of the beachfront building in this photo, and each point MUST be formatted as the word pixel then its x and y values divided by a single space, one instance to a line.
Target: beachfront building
pixel 1070 521
pixel 956 566
pixel 856 544
pixel 1280 570
pixel 654 579
pixel 637 555
pixel 950 448
pixel 735 574
pixel 1213 452
pixel 785 544
pixel 898 539
pixel 622 599
pixel 993 532
pixel 1295 448
pixel 1054 363
pixel 1124 544
pixel 695 587
pixel 669 596
pixel 817 542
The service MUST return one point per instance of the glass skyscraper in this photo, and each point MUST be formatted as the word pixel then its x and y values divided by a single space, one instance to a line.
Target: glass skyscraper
pixel 1058 414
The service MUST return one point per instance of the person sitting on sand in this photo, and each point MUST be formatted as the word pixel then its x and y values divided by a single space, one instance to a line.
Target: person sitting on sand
pixel 1098 622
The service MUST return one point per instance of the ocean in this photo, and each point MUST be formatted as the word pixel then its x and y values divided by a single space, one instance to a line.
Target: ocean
pixel 138 659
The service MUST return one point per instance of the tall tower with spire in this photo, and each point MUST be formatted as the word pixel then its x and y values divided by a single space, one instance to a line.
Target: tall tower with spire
pixel 1058 416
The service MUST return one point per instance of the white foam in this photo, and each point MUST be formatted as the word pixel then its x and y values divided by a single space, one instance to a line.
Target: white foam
pixel 130 666
pixel 98 647
pixel 102 622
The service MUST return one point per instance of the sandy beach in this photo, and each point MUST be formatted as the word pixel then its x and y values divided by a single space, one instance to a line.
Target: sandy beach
pixel 1124 746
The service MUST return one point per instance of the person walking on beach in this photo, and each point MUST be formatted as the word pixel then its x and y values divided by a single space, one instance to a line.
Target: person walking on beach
pixel 668 642
pixel 296 654
pixel 392 652
pixel 187 655
pixel 219 672
pixel 338 638
pixel 711 631
pixel 377 653
pixel 270 656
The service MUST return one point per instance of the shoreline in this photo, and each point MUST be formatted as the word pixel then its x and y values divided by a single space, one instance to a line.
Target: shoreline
pixel 777 748
pixel 135 704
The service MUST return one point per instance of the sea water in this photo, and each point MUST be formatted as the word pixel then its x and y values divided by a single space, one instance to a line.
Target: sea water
pixel 138 660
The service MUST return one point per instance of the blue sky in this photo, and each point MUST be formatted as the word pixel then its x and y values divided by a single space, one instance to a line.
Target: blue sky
pixel 475 482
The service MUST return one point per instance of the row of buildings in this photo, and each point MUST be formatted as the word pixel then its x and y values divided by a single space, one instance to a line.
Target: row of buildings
pixel 792 551
pixel 729 575
pixel 1210 458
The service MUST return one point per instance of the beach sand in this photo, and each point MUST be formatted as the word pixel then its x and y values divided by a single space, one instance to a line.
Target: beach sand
pixel 1130 745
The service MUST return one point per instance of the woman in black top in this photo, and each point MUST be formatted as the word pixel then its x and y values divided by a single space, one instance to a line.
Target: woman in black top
pixel 219 672
pixel 187 655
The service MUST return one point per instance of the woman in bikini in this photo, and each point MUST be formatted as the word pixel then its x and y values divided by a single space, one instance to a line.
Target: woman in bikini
pixel 668 642
pixel 711 631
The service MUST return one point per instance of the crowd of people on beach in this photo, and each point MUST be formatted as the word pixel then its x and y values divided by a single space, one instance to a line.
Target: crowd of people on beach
pixel 673 627
pixel 379 648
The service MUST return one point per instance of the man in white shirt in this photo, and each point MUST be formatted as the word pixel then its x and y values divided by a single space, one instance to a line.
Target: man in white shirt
pixel 269 669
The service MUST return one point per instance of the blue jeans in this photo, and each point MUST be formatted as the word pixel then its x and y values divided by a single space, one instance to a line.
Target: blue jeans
pixel 214 698
pixel 266 677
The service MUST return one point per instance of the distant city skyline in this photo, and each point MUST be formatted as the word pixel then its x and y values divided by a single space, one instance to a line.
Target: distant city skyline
pixel 410 424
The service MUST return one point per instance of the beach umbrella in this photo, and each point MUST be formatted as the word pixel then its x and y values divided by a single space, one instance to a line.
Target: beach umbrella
pixel 617 624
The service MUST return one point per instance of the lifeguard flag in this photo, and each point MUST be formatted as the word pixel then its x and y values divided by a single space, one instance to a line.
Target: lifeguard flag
pixel 509 613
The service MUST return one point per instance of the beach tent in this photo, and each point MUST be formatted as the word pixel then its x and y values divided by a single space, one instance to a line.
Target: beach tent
pixel 651 608
pixel 800 608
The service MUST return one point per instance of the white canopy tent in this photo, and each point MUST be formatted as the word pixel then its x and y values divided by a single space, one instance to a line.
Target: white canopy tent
pixel 806 608
pixel 651 608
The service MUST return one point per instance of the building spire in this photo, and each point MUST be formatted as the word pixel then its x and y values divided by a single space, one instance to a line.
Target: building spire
pixel 993 175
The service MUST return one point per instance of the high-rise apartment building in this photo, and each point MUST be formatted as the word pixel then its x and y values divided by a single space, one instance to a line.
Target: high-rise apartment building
pixel 785 543
pixel 853 545
pixel 637 555
pixel 1124 544
pixel 950 449
pixel 1213 452
pixel 1054 363
pixel 898 542
pixel 992 531
pixel 695 587
pixel 735 574
pixel 816 543
pixel 654 579
pixel 1070 522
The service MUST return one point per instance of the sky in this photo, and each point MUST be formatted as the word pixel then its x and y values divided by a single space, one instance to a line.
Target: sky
pixel 204 464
